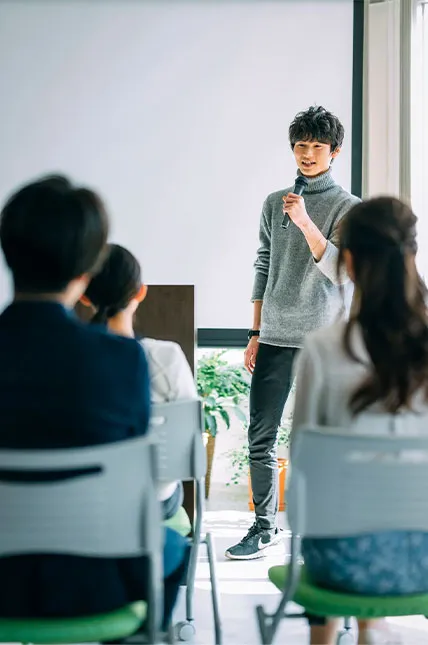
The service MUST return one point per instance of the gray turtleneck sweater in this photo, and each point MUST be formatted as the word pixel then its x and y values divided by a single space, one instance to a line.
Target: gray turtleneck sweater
pixel 299 294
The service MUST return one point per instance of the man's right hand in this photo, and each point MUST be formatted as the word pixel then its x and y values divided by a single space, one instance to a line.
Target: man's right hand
pixel 250 354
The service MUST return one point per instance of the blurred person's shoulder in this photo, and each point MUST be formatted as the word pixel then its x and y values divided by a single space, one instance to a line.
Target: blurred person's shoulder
pixel 326 340
pixel 171 377
pixel 165 357
pixel 162 350
pixel 329 345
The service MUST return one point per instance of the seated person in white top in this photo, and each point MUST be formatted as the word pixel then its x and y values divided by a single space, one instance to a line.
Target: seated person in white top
pixel 115 293
pixel 376 362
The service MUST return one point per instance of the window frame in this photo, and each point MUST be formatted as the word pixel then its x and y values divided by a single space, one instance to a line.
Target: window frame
pixel 419 134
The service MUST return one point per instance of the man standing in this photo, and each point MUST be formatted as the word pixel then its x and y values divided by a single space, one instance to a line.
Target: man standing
pixel 296 290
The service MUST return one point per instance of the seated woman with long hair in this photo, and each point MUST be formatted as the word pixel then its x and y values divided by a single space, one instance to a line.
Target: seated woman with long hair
pixel 115 294
pixel 377 361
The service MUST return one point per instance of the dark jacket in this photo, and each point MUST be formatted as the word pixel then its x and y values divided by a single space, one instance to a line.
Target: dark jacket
pixel 64 384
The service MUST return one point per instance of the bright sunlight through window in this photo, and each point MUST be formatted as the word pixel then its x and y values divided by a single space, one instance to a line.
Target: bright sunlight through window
pixel 420 132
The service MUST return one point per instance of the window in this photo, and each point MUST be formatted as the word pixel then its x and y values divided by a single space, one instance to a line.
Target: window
pixel 420 131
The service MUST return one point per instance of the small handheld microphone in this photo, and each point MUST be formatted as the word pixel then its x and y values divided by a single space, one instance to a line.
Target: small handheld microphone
pixel 299 188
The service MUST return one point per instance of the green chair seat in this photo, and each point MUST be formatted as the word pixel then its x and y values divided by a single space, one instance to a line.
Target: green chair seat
pixel 101 627
pixel 180 522
pixel 323 602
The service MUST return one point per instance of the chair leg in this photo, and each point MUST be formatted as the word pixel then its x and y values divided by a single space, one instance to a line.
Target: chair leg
pixel 347 624
pixel 214 589
pixel 190 583
pixel 170 635
pixel 345 636
pixel 264 622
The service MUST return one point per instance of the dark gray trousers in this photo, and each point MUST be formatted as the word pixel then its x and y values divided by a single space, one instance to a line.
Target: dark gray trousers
pixel 270 387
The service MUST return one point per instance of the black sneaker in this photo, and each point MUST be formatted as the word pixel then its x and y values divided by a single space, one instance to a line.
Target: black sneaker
pixel 254 544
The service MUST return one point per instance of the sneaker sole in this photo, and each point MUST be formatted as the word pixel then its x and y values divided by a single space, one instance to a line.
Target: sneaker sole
pixel 252 556
pixel 258 554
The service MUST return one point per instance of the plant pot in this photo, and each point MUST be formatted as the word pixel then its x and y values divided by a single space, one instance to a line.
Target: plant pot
pixel 210 447
pixel 282 474
pixel 283 452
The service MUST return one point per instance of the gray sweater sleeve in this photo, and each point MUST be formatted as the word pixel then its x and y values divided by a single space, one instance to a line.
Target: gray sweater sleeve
pixel 262 262
pixel 328 262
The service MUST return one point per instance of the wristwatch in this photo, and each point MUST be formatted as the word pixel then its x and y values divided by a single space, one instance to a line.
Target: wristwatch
pixel 253 332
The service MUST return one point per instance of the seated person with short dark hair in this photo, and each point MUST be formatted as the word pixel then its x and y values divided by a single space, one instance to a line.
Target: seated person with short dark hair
pixel 67 384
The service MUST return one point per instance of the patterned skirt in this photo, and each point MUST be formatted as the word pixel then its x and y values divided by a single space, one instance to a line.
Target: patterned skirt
pixel 393 563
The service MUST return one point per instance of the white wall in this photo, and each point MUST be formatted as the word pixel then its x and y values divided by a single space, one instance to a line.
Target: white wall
pixel 178 113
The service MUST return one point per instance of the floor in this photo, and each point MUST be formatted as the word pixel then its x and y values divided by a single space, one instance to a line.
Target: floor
pixel 243 585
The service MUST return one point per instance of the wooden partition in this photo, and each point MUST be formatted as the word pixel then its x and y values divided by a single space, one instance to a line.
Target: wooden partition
pixel 167 313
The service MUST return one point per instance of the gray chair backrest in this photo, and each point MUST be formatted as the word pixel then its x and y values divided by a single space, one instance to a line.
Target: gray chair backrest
pixel 343 483
pixel 109 511
pixel 177 426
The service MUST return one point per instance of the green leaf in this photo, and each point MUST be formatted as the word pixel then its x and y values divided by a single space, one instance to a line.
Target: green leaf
pixel 221 385
pixel 284 433
pixel 210 400
pixel 211 424
pixel 225 416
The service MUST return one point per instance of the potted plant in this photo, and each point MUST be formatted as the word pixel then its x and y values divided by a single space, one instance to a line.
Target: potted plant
pixel 241 463
pixel 222 388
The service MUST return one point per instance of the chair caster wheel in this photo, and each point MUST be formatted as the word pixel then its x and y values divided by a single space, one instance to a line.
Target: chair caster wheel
pixel 185 631
pixel 345 638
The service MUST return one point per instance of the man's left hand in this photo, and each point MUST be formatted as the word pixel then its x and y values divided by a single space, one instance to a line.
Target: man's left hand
pixel 294 206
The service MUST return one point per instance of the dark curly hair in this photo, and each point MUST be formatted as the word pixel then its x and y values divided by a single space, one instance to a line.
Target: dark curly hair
pixel 317 124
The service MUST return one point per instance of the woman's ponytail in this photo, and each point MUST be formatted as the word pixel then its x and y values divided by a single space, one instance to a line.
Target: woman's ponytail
pixel 100 317
pixel 103 314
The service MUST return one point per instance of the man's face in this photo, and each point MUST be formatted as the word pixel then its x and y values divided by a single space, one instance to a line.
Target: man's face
pixel 313 157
